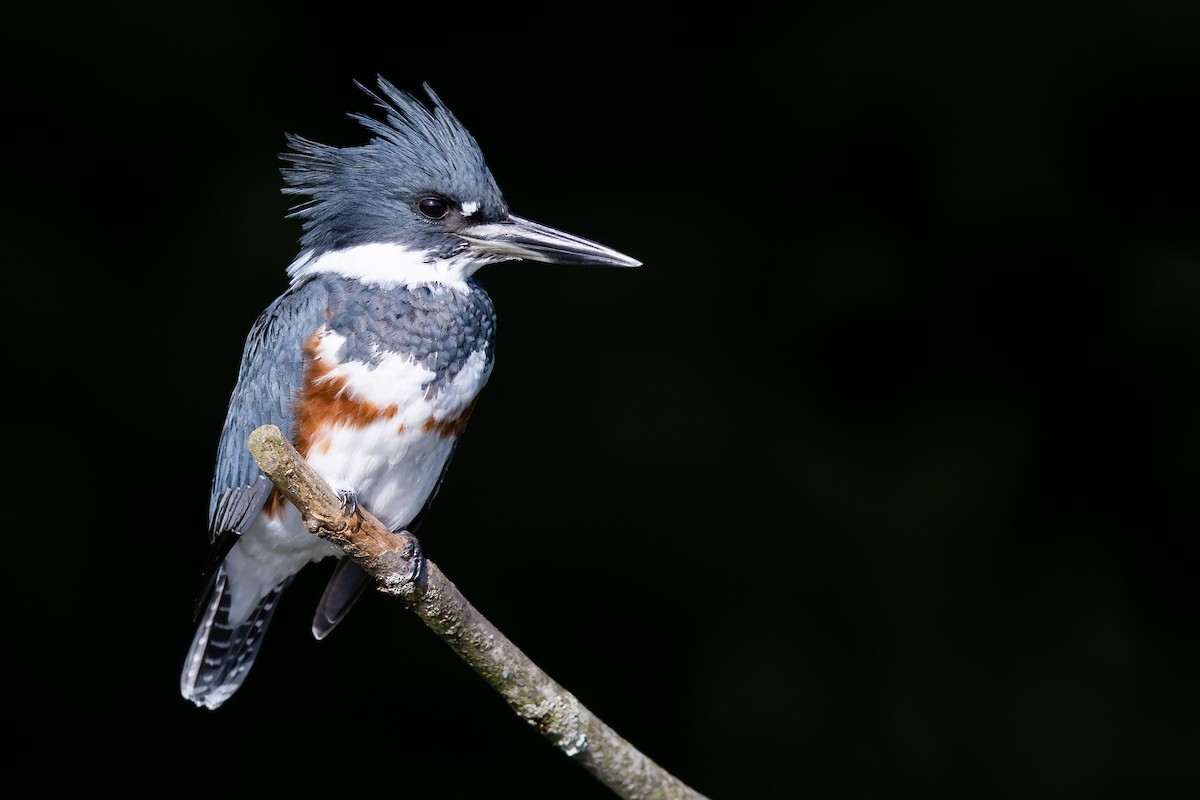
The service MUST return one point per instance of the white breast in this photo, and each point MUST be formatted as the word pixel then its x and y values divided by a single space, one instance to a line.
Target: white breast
pixel 392 463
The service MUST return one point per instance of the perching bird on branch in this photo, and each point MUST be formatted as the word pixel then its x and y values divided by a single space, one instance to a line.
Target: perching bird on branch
pixel 371 361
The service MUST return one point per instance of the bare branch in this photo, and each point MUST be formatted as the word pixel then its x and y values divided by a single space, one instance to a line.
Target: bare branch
pixel 531 693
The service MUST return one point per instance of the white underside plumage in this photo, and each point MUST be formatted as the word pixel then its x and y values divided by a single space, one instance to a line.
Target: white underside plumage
pixel 392 465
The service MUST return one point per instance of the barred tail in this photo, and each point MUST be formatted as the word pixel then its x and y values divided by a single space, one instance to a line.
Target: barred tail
pixel 221 654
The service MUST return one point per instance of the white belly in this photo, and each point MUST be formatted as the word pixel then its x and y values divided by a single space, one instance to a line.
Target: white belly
pixel 392 464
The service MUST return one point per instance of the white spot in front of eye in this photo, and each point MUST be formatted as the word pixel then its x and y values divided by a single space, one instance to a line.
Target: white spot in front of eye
pixel 469 208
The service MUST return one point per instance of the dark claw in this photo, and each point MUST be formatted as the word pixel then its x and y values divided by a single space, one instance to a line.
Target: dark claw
pixel 416 558
pixel 349 499
pixel 403 566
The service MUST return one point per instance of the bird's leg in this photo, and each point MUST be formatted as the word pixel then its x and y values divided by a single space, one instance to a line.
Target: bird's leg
pixel 412 555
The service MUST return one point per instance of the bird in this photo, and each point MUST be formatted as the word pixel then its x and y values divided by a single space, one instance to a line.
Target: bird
pixel 370 361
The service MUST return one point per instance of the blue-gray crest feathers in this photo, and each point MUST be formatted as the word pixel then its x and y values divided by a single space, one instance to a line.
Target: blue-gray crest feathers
pixel 356 194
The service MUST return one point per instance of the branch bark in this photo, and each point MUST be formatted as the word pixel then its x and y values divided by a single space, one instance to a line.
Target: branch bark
pixel 532 694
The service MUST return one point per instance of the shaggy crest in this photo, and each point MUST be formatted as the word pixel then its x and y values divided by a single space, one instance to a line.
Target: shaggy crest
pixel 355 193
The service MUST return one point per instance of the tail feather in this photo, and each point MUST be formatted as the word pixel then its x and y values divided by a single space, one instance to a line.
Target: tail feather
pixel 221 653
pixel 346 585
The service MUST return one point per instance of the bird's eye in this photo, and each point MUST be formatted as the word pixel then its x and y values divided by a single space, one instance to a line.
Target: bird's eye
pixel 433 207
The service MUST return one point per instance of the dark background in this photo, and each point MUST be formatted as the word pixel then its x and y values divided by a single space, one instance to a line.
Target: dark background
pixel 879 476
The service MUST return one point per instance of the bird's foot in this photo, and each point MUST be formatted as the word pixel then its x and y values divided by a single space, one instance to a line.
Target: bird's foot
pixel 416 557
pixel 349 499
pixel 407 565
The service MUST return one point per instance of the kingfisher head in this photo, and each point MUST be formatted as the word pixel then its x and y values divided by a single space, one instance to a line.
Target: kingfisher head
pixel 415 204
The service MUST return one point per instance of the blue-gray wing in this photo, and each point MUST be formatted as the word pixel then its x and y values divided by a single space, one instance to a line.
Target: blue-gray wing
pixel 271 374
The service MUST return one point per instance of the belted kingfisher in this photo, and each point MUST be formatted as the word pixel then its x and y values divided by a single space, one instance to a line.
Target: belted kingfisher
pixel 371 361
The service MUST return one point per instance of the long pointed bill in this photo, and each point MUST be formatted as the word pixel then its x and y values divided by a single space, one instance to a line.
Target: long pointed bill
pixel 523 239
